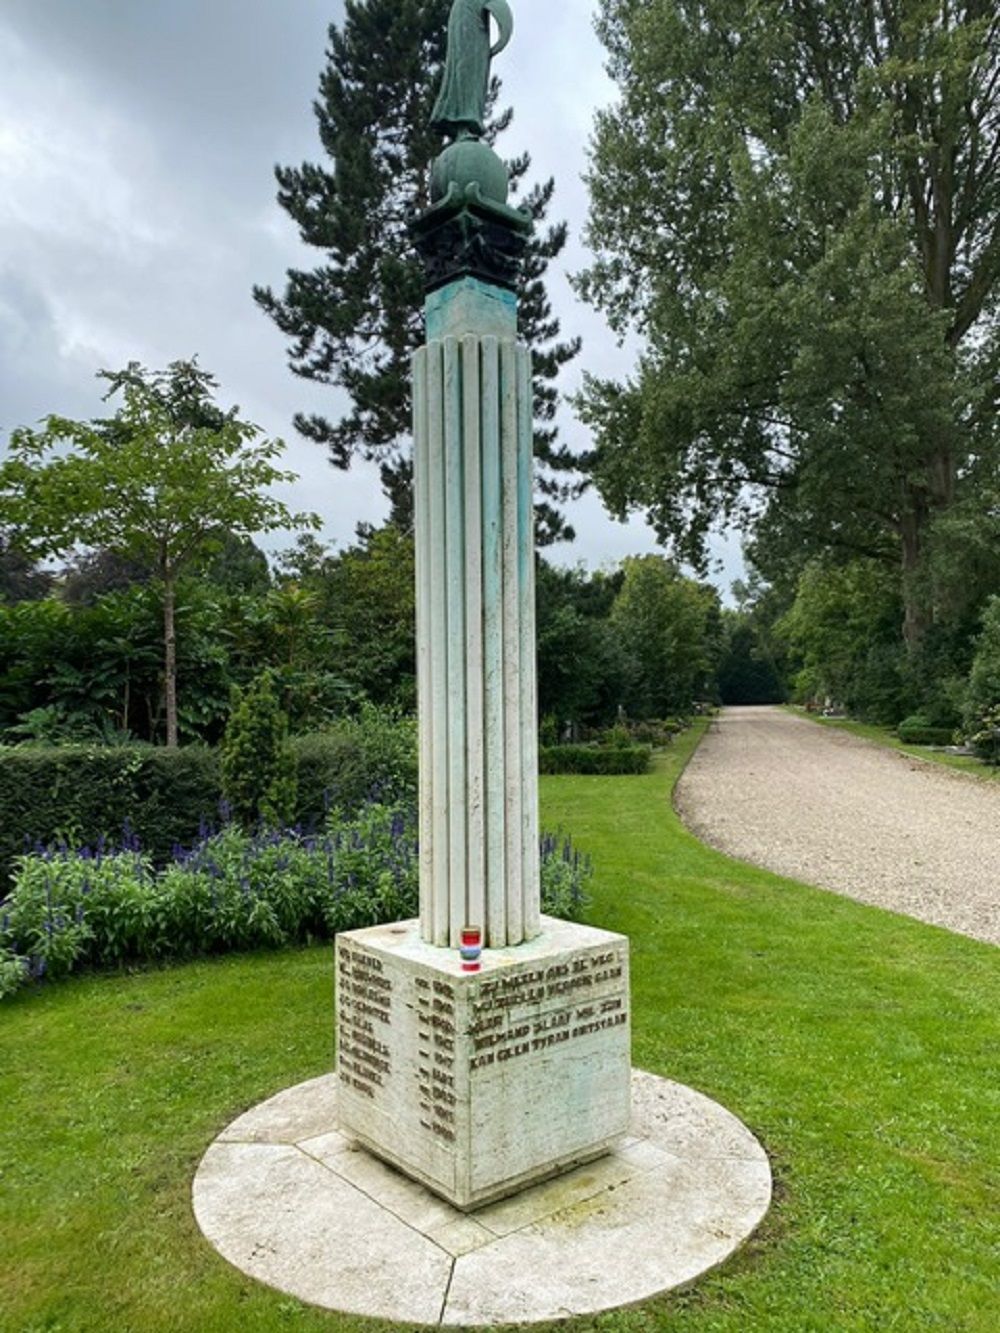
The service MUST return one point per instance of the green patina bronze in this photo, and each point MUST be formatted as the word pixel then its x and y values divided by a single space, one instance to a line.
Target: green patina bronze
pixel 470 231
pixel 460 110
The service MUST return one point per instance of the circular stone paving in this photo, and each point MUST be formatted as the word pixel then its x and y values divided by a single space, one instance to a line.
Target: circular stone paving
pixel 289 1200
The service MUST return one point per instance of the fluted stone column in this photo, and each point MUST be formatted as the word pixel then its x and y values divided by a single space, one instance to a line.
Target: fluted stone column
pixel 472 399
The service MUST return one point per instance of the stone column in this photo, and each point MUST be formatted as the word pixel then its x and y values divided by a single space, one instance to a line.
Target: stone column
pixel 472 398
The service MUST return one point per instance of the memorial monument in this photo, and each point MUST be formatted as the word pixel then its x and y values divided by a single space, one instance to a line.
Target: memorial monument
pixel 478 1072
pixel 484 1047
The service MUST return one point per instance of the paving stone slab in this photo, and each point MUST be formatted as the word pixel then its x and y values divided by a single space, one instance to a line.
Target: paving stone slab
pixel 289 1200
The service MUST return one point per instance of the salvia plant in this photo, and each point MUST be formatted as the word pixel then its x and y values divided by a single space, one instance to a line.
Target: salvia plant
pixel 108 906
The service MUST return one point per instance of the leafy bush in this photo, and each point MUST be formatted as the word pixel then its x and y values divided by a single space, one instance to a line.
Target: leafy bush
pixel 984 735
pixel 370 757
pixel 78 792
pixel 594 759
pixel 14 971
pixel 258 768
pixel 919 730
pixel 658 732
pixel 564 873
pixel 983 693
pixel 73 793
pixel 232 890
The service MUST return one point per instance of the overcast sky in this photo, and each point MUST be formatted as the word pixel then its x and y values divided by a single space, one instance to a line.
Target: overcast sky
pixel 137 210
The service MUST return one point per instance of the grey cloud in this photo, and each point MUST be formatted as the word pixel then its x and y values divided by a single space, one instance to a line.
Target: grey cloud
pixel 140 231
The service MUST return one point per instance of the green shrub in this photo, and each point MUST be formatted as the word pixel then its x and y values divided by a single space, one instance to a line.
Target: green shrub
pixel 597 759
pixel 372 756
pixel 548 730
pixel 658 732
pixel 983 693
pixel 86 793
pixel 14 971
pixel 918 730
pixel 233 890
pixel 257 765
pixel 984 736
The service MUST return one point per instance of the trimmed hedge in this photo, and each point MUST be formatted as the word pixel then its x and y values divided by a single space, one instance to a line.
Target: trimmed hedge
pixel 82 793
pixel 79 794
pixel 602 759
pixel 917 730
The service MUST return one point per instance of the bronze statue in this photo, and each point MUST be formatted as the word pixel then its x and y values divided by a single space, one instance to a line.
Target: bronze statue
pixel 460 110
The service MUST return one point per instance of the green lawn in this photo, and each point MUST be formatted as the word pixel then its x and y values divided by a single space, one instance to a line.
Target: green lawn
pixel 868 731
pixel 862 1048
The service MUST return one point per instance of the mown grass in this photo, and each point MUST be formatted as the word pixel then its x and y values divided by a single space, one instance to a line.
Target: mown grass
pixel 860 1047
pixel 868 731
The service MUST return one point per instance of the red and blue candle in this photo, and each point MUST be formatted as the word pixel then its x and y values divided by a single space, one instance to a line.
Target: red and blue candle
pixel 471 948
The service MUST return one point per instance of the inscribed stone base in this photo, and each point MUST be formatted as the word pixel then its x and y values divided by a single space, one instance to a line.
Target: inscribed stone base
pixel 477 1084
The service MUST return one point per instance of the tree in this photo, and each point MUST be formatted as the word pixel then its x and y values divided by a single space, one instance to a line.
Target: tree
pixel 163 481
pixel 670 628
pixel 748 673
pixel 94 574
pixel 355 319
pixel 581 662
pixel 983 695
pixel 842 634
pixel 20 578
pixel 798 205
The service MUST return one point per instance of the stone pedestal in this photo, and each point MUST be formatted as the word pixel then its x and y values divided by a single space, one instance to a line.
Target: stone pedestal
pixel 476 1084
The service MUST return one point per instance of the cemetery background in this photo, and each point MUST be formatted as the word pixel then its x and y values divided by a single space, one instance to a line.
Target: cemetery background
pixel 841 635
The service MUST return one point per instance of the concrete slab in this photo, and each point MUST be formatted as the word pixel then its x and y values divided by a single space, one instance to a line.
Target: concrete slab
pixel 318 1218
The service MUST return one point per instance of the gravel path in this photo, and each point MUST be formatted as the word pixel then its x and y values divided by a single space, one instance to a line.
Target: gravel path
pixel 818 804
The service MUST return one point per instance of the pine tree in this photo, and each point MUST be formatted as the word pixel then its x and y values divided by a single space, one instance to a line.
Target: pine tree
pixel 354 319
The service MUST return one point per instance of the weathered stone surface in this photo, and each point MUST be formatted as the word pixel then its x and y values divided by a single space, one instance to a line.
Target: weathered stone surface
pixel 475 601
pixel 289 1116
pixel 286 1220
pixel 322 1221
pixel 657 1230
pixel 477 1084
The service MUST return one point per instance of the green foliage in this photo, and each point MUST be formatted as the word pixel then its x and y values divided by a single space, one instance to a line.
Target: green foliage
pixel 842 637
pixel 655 731
pixel 595 759
pixel 257 765
pixel 80 793
pixel 581 663
pixel 96 671
pixel 919 730
pixel 670 630
pixel 77 793
pixel 14 971
pixel 369 757
pixel 66 910
pixel 749 671
pixel 169 478
pixel 354 320
pixel 234 890
pixel 371 592
pixel 984 678
pixel 20 578
pixel 985 734
pixel 795 206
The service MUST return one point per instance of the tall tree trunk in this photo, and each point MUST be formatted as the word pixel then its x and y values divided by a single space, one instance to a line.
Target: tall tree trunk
pixel 170 657
pixel 916 618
